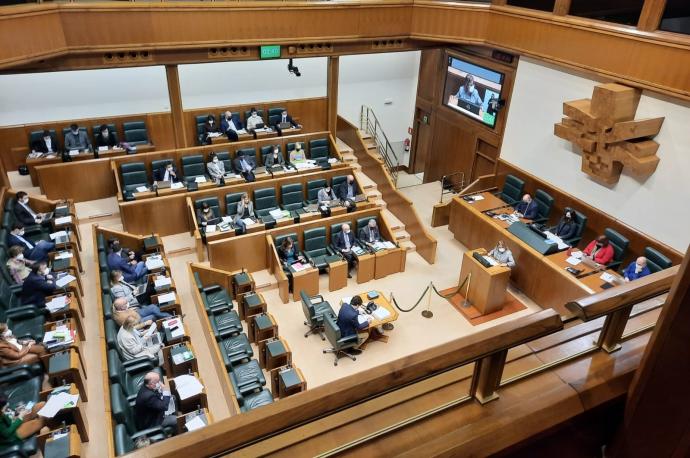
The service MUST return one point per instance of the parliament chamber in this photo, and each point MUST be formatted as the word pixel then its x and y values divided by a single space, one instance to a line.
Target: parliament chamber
pixel 344 228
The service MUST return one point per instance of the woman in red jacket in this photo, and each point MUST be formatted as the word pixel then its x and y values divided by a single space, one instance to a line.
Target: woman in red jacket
pixel 600 250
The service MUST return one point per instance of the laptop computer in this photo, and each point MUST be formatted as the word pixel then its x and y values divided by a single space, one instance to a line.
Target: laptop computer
pixel 259 126
pixel 259 170
pixel 163 184
pixel 589 262
pixel 285 125
pixel 276 168
pixel 360 198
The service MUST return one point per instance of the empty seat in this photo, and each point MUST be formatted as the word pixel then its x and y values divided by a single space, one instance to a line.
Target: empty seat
pixel 316 248
pixel 193 167
pixel 133 176
pixel 225 323
pixel 512 190
pixel 255 400
pixel 235 350
pixel 544 206
pixel 246 378
pixel 656 261
pixel 620 246
pixel 292 196
pixel 135 132
pixel 224 157
pixel 200 120
pixel 264 202
pixel 337 181
pixel 275 111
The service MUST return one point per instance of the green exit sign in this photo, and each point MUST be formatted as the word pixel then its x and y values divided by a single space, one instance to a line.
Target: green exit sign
pixel 270 52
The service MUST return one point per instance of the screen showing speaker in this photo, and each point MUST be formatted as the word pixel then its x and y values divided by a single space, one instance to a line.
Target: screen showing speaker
pixel 473 90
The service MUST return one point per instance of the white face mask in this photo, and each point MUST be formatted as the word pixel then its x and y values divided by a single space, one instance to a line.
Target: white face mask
pixel 275 152
pixel 215 160
pixel 20 256
pixel 21 233
pixel 210 121
pixel 470 87
pixel 501 250
pixel 25 200
pixel 106 133
pixel 46 139
pixel 7 334
pixel 347 231
pixel 120 278
pixel 75 132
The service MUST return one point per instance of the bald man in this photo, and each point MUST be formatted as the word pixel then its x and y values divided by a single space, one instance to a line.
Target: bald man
pixel 347 191
pixel 152 402
pixel 637 269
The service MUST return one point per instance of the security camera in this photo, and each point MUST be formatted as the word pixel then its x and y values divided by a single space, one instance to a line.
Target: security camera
pixel 292 69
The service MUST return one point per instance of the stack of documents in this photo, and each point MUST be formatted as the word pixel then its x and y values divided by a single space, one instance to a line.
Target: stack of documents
pixel 210 228
pixel 154 262
pixel 187 386
pixel 64 255
pixel 277 213
pixel 162 282
pixel 573 261
pixel 63 220
pixel 477 198
pixel 58 402
pixel 179 358
pixel 490 260
pixel 174 325
pixel 248 221
pixel 62 335
pixel 166 298
pixel 58 234
pixel 200 180
pixel 65 280
pixel 298 266
pixel 177 185
pixel 195 423
pixel 380 313
pixel 57 303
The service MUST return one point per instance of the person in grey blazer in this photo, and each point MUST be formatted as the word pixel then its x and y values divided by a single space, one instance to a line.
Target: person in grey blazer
pixel 216 168
pixel 77 139
pixel 119 288
pixel 325 194
pixel 132 344
pixel 274 158
pixel 245 209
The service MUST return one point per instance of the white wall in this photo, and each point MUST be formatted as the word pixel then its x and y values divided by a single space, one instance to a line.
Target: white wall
pixel 657 206
pixel 38 97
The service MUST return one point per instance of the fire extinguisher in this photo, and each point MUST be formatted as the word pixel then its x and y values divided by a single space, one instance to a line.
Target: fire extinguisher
pixel 406 144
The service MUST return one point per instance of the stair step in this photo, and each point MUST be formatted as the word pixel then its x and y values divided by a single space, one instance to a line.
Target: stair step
pixel 380 203
pixel 393 221
pixel 401 236
pixel 342 146
pixel 348 156
pixel 366 182
pixel 355 165
pixel 373 194
pixel 408 246
pixel 364 135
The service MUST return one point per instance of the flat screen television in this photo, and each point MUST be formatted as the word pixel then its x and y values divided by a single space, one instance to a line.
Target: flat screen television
pixel 473 90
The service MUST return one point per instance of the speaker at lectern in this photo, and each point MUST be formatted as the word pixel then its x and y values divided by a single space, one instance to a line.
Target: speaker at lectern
pixel 487 283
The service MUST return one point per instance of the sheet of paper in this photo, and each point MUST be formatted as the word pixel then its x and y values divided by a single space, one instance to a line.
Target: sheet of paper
pixel 388 245
pixel 58 234
pixel 477 198
pixel 298 266
pixel 64 255
pixel 167 297
pixel 73 152
pixel 61 282
pixel 277 213
pixel 607 277
pixel 227 219
pixel 490 260
pixel 154 262
pixel 177 185
pixel 381 313
pixel 162 281
pixel 361 319
pixel 332 160
pixel 576 254
pixel 63 220
pixel 210 228
pixel 200 179
pixel 57 303
pixel 142 189
pixel 187 386
pixel 58 402
pixel 195 423
pixel 248 221
pixel 102 148
pixel 573 261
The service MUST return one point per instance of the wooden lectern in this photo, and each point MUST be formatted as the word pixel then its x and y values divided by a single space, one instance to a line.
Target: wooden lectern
pixel 487 290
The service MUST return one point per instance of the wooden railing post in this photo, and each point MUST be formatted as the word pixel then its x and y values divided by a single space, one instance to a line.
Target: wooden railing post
pixel 612 331
pixel 487 376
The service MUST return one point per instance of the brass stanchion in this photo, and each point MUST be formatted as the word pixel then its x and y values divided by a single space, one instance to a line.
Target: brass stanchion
pixel 466 302
pixel 428 313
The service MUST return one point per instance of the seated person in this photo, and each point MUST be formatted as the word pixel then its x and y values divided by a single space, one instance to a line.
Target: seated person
pixel 25 214
pixel 151 404
pixel 297 155
pixel 129 266
pixel 347 191
pixel 131 342
pixel 344 242
pixel 288 255
pixel 636 269
pixel 211 129
pixel 47 144
pixel 254 120
pixel 104 138
pixel 120 290
pixel 566 227
pixel 232 126
pixel 216 168
pixel 144 316
pixel 285 118
pixel 349 323
pixel 370 234
pixel 18 267
pixel 32 252
pixel 17 426
pixel 502 255
pixel 169 173
pixel 527 208
pixel 15 352
pixel 204 215
pixel 77 139
pixel 325 195
pixel 275 158
pixel 600 250
pixel 245 209
pixel 37 285
pixel 245 166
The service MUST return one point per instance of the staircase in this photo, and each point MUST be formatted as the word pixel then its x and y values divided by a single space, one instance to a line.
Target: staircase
pixel 377 143
pixel 372 170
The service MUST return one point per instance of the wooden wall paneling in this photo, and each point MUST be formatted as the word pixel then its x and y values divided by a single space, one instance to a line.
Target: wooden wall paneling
pixel 81 181
pixel 175 95
pixel 165 215
pixel 597 220
pixel 332 89
pixel 160 128
pixel 14 146
pixel 43 25
pixel 651 14
pixel 561 7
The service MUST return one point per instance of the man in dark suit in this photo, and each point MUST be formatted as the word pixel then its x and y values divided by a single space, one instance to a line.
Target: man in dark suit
pixel 348 322
pixel 527 208
pixel 25 214
pixel 370 234
pixel 151 404
pixel 131 269
pixel 105 138
pixel 231 125
pixel 37 285
pixel 347 191
pixel 282 119
pixel 32 251
pixel 245 166
pixel 344 242
pixel 167 173
pixel 47 144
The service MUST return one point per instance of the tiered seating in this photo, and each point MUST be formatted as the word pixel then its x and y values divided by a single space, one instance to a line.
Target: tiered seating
pixel 135 133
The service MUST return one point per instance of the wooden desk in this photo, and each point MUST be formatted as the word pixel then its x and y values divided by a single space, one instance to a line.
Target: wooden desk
pixel 306 280
pixel 67 446
pixel 388 262
pixel 488 286
pixel 366 267
pixel 265 134
pixel 71 415
pixel 65 367
pixel 72 312
pixel 286 381
pixel 559 261
pixel 291 131
pixel 337 275
pixel 595 283
pixel 191 403
pixel 380 301
pixel 182 420
pixel 309 216
pixel 489 202
pixel 274 353
pixel 173 370
pixel 261 327
pixel 68 265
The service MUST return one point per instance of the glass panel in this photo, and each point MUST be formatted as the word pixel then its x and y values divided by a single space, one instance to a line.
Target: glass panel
pixel 543 5
pixel 676 17
pixel 620 11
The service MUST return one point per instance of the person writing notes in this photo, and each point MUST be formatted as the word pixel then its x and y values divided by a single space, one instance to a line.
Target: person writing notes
pixel 637 269
pixel 502 255
pixel 370 234
pixel 254 120
pixel 232 126
pixel 47 144
pixel 348 322
pixel 76 139
pixel 600 250
pixel 216 168
pixel 527 208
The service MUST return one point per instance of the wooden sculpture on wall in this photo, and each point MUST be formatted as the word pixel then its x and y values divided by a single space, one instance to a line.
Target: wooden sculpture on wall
pixel 604 127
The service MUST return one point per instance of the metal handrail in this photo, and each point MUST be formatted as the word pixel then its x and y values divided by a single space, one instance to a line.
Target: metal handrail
pixel 449 185
pixel 369 123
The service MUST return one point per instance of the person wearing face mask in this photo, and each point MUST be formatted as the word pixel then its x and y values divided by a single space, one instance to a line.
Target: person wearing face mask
pixel 132 269
pixel 167 173
pixel 144 316
pixel 502 255
pixel 347 191
pixel 232 126
pixel 211 129
pixel 370 234
pixel 18 426
pixel 284 119
pixel 325 195
pixel 344 242
pixel 15 352
pixel 132 344
pixel 566 227
pixel 37 251
pixel 106 138
pixel 18 266
pixel 527 208
pixel 77 139
pixel 153 400
pixel 205 214
pixel 245 166
pixel 47 144
pixel 468 93
pixel 274 158
pixel 254 120
pixel 600 250
pixel 245 209
pixel 25 214
pixel 37 285
pixel 297 155
pixel 216 168
pixel 636 269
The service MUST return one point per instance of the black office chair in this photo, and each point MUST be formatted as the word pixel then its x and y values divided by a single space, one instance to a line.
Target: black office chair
pixel 512 190
pixel 656 261
pixel 314 313
pixel 544 206
pixel 339 343
pixel 620 247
